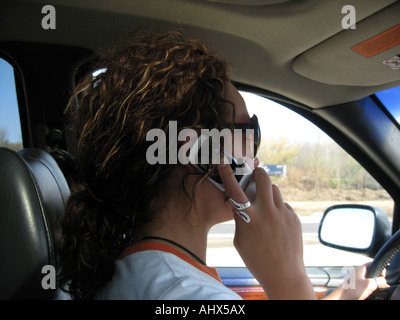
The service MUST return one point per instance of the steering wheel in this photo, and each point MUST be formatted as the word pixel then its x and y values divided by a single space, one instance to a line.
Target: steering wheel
pixel 382 259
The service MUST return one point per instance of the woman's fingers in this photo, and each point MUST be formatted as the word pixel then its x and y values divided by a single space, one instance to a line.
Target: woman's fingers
pixel 271 240
pixel 268 195
pixel 232 187
pixel 236 195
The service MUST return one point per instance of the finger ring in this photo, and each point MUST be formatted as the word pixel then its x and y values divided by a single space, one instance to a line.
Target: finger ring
pixel 239 207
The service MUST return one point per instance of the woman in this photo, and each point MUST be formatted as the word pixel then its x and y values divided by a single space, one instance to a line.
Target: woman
pixel 135 230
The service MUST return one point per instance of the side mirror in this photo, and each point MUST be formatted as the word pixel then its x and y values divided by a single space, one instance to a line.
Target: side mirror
pixel 355 228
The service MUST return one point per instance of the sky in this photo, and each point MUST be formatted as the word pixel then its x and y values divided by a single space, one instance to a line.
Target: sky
pixel 278 121
pixel 391 100
pixel 9 115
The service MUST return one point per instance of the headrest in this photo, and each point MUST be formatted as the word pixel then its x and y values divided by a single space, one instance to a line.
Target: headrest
pixel 33 192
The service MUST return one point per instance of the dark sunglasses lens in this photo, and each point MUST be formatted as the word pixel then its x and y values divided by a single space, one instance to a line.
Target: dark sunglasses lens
pixel 257 134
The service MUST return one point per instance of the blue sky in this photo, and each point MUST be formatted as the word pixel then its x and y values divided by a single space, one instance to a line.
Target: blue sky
pixel 391 100
pixel 9 115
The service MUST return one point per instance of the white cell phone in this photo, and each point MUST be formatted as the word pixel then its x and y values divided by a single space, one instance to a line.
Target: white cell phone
pixel 242 171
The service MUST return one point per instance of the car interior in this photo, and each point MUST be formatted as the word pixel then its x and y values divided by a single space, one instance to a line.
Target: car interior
pixel 324 60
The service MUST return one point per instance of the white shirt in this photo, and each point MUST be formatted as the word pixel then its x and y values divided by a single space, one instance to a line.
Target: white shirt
pixel 156 274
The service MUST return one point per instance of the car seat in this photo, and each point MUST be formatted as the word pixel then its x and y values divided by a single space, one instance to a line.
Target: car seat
pixel 33 193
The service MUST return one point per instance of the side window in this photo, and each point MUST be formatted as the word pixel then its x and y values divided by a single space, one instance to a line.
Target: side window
pixel 10 125
pixel 313 172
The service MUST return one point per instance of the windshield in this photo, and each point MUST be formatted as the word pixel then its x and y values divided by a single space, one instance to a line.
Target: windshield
pixel 390 98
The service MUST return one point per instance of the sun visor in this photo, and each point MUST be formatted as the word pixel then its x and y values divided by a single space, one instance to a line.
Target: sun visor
pixel 365 56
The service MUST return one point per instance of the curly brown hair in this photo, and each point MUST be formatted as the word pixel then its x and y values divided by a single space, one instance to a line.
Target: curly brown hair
pixel 149 79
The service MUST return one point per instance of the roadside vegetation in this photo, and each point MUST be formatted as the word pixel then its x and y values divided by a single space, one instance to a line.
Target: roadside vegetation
pixel 321 172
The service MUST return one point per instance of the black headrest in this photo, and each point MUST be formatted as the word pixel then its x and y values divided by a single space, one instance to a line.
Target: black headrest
pixel 33 192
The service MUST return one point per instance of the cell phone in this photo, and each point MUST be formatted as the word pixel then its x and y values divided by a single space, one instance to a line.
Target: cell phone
pixel 242 171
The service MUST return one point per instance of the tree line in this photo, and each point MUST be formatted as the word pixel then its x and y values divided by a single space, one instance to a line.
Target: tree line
pixel 315 166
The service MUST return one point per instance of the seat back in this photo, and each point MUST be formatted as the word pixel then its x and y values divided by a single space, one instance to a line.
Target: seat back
pixel 33 193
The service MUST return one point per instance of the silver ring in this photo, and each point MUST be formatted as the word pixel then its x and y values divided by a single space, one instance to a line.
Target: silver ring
pixel 239 207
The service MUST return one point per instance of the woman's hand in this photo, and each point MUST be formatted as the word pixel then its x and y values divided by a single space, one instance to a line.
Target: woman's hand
pixel 356 287
pixel 271 244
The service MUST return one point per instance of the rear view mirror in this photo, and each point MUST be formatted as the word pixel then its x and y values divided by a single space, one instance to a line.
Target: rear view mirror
pixel 355 228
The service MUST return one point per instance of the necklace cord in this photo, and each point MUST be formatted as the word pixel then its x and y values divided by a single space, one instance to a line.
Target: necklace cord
pixel 176 244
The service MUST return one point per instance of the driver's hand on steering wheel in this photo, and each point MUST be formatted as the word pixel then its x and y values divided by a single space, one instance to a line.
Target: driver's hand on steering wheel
pixel 356 287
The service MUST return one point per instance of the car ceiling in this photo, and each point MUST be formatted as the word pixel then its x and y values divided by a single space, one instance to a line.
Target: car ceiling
pixel 294 48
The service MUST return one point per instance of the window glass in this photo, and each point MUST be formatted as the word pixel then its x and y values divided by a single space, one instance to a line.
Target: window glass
pixel 313 173
pixel 10 125
pixel 391 100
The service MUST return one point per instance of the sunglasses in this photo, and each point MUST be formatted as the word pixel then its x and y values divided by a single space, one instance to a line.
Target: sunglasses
pixel 253 138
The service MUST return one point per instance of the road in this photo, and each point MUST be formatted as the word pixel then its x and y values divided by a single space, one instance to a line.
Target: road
pixel 228 229
pixel 221 252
